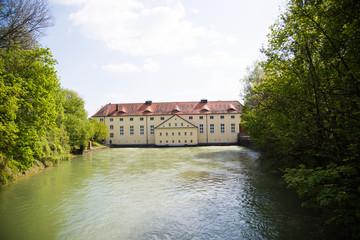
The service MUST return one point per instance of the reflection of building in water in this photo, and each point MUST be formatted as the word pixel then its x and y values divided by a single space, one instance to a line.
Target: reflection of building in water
pixel 172 123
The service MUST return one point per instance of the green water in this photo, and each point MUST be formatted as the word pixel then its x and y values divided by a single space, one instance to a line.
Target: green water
pixel 155 193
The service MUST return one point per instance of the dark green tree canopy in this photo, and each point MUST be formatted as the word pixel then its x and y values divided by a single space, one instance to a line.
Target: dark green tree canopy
pixel 303 104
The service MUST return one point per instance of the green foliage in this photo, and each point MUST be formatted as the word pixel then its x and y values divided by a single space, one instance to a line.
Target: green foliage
pixel 76 123
pixel 38 119
pixel 28 82
pixel 99 131
pixel 303 103
pixel 334 189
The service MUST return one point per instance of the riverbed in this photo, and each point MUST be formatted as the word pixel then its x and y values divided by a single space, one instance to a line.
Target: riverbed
pixel 156 193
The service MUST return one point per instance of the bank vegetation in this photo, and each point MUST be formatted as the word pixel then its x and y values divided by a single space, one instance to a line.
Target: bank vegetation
pixel 41 123
pixel 302 105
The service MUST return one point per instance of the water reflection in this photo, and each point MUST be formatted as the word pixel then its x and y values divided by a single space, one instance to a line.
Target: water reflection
pixel 151 193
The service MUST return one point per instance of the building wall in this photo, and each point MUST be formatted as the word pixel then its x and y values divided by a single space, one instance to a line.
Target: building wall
pixel 147 137
pixel 176 131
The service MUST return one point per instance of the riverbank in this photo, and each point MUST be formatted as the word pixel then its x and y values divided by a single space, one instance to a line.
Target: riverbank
pixel 9 173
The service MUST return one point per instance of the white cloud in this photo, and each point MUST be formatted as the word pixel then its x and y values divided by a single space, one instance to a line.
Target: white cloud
pixel 69 2
pixel 115 97
pixel 121 68
pixel 149 66
pixel 195 11
pixel 224 84
pixel 216 59
pixel 130 27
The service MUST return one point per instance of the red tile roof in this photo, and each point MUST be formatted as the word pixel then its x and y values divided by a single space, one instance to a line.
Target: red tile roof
pixel 166 108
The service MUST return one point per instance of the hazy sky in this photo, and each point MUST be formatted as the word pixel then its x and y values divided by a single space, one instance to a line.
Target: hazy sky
pixel 122 51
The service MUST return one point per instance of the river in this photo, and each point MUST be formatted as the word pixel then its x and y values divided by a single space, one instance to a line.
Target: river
pixel 155 193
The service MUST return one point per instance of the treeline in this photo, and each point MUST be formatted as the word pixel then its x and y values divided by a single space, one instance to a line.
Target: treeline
pixel 302 105
pixel 39 120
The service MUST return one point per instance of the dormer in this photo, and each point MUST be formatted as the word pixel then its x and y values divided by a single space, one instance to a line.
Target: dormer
pixel 231 108
pixel 175 110
pixel 120 109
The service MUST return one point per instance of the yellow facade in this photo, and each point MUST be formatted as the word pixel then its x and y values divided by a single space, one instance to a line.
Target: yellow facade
pixel 176 131
pixel 196 129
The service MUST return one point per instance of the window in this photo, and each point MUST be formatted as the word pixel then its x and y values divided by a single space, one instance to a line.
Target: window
pixel 211 128
pixel 179 133
pixel 152 119
pixel 169 124
pixel 232 117
pixel 162 118
pixel 160 134
pixel 233 127
pixel 182 124
pixel 190 117
pixel 101 120
pixel 131 130
pixel 167 134
pixel 211 117
pixel 191 133
pixel 179 141
pixel 201 117
pixel 131 119
pixel 185 133
pixel 221 117
pixel 222 128
pixel 141 119
pixel 111 135
pixel 173 141
pixel 151 129
pixel 121 119
pixel 185 141
pixel 201 127
pixel 142 130
pixel 111 119
pixel 160 141
pixel 121 130
pixel 191 141
pixel 173 134
pixel 111 127
pixel 175 124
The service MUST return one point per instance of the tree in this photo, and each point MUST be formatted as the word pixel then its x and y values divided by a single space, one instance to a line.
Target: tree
pixel 23 22
pixel 303 108
pixel 76 123
pixel 99 131
pixel 28 82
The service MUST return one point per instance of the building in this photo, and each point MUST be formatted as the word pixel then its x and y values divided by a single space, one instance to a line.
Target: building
pixel 171 123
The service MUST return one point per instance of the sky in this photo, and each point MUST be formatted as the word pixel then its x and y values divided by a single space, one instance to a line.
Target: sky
pixel 130 51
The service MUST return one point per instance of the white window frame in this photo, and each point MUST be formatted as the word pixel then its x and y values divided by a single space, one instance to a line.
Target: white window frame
pixel 222 128
pixel 233 128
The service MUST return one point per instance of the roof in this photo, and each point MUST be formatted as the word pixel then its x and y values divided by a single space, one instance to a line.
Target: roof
pixel 167 108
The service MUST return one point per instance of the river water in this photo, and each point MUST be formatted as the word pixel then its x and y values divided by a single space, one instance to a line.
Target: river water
pixel 155 193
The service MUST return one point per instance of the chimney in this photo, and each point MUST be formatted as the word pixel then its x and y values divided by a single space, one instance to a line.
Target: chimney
pixel 203 101
pixel 148 102
pixel 117 107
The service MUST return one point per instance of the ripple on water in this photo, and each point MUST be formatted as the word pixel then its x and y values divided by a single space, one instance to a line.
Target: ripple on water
pixel 153 193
